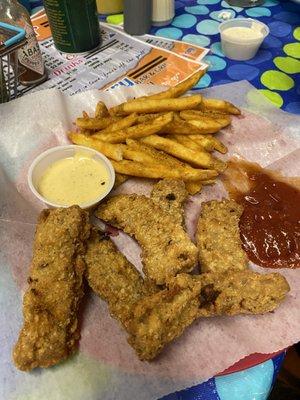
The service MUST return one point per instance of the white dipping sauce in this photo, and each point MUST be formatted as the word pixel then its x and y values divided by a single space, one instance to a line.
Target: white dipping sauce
pixel 242 33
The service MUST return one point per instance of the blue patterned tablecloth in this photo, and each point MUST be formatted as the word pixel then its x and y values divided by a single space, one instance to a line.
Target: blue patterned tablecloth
pixel 275 70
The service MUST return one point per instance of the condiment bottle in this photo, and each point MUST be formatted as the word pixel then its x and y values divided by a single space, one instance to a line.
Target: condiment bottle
pixel 163 11
pixel 74 25
pixel 137 16
pixel 30 57
pixel 110 6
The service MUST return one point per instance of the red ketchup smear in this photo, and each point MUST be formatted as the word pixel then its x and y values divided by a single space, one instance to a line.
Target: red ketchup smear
pixel 270 223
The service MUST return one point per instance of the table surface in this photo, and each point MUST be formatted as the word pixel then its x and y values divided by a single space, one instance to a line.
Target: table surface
pixel 275 70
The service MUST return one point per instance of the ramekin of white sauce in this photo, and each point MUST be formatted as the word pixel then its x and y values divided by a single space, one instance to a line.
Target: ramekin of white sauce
pixel 67 175
pixel 242 37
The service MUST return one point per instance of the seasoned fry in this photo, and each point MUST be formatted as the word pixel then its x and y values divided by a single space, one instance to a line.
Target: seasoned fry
pixel 186 141
pixel 136 131
pixel 201 159
pixel 166 248
pixel 206 126
pixel 113 151
pixel 149 106
pixel 181 127
pixel 156 171
pixel 179 89
pixel 218 165
pixel 119 125
pixel 51 303
pixel 162 158
pixel 220 106
pixel 142 119
pixel 95 123
pixel 210 143
pixel 218 237
pixel 101 110
pixel 222 119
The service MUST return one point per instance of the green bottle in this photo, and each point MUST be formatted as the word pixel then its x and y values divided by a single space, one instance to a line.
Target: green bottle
pixel 74 25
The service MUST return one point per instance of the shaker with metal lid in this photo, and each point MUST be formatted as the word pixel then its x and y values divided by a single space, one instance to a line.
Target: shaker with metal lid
pixel 137 16
pixel 163 11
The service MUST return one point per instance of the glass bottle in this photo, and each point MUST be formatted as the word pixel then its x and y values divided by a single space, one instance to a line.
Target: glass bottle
pixel 30 58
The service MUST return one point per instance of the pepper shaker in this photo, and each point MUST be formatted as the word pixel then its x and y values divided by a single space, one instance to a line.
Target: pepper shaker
pixel 137 16
pixel 163 11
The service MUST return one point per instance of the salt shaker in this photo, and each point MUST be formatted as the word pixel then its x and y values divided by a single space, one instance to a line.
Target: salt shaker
pixel 137 16
pixel 163 11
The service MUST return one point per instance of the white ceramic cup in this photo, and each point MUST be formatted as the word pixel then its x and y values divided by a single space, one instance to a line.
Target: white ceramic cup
pixel 47 158
pixel 238 48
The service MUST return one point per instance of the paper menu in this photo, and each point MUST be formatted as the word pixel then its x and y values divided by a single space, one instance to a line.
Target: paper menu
pixel 106 367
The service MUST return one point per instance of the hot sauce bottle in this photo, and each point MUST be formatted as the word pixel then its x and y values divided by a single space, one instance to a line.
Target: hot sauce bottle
pixel 32 69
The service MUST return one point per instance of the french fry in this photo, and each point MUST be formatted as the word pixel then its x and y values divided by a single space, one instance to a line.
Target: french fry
pixel 95 123
pixel 181 127
pixel 112 151
pixel 138 155
pixel 156 171
pixel 210 143
pixel 218 105
pixel 204 141
pixel 201 159
pixel 222 119
pixel 208 182
pixel 137 131
pixel 158 157
pixel 186 141
pixel 101 110
pixel 85 114
pixel 193 187
pixel 120 124
pixel 179 89
pixel 206 126
pixel 218 165
pixel 147 106
pixel 145 118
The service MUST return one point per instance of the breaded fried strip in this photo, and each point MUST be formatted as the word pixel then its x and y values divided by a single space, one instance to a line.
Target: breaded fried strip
pixel 51 302
pixel 113 277
pixel 166 248
pixel 241 292
pixel 162 317
pixel 170 195
pixel 218 237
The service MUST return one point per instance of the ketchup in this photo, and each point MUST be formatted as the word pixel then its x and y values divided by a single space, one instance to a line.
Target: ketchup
pixel 270 223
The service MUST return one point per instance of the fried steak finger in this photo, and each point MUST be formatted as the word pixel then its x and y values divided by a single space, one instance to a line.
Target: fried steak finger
pixel 218 237
pixel 162 317
pixel 170 195
pixel 113 278
pixel 50 305
pixel 166 248
pixel 241 292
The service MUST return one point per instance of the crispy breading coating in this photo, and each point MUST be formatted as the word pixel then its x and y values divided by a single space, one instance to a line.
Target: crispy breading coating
pixel 218 237
pixel 241 292
pixel 50 304
pixel 114 278
pixel 166 247
pixel 162 317
pixel 171 195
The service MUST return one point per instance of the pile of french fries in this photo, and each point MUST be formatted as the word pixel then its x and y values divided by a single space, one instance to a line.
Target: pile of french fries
pixel 160 136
